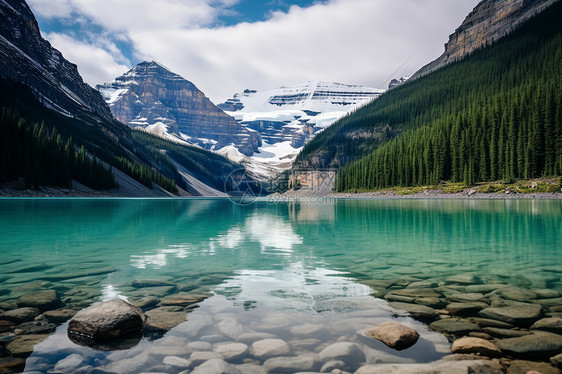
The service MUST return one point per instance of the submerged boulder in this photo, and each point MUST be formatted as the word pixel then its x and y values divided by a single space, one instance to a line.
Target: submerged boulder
pixel 394 335
pixel 108 320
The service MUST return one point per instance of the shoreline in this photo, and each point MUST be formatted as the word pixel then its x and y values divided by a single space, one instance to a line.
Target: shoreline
pixel 57 192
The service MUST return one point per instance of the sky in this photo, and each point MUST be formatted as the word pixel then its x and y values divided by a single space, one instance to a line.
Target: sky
pixel 226 46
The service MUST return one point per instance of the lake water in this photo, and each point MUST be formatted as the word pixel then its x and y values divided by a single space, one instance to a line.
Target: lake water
pixel 296 272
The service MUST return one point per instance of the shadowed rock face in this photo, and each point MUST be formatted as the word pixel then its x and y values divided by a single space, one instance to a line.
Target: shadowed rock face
pixel 489 21
pixel 26 57
pixel 151 96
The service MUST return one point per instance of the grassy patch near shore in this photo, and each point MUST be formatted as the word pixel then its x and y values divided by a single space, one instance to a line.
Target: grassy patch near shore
pixel 543 185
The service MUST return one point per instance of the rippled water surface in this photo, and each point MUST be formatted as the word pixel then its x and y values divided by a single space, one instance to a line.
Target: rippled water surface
pixel 295 272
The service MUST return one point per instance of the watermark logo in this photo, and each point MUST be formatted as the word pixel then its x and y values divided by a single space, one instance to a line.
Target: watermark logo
pixel 296 186
pixel 241 188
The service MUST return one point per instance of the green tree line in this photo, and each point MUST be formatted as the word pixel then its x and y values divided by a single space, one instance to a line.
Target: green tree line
pixel 497 115
pixel 42 157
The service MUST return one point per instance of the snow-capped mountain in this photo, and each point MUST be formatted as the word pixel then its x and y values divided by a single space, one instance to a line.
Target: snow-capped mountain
pixel 153 98
pixel 287 117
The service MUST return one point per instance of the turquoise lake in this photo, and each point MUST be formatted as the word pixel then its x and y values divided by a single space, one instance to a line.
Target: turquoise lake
pixel 303 273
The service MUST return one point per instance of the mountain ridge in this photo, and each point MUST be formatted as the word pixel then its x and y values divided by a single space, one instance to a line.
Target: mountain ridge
pixel 152 97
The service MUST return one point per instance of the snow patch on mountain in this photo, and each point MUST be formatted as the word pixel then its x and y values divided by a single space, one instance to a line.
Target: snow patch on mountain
pixel 288 117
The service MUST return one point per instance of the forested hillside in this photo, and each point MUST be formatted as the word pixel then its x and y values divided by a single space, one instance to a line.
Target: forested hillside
pixel 210 168
pixel 496 115
pixel 47 148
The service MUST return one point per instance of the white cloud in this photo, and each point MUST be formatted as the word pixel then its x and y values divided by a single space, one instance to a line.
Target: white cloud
pixel 350 41
pixel 95 63
pixel 51 8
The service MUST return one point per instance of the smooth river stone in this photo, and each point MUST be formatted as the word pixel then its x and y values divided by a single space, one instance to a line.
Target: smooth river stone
pixel 549 324
pixel 476 346
pixel 394 335
pixel 250 337
pixel 266 348
pixel 505 333
pixel 466 297
pixel 231 351
pixel 216 366
pixel 20 315
pixel 22 346
pixel 347 352
pixel 520 315
pixel 515 293
pixel 305 363
pixel 59 315
pixel 531 367
pixel 42 300
pixel 70 363
pixel 416 292
pixel 467 278
pixel 465 309
pixel 417 311
pixel 538 345
pixel 164 318
pixel 438 367
pixel 182 299
pixel 454 327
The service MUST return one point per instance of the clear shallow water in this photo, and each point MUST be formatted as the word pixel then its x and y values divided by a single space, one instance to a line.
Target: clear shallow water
pixel 289 270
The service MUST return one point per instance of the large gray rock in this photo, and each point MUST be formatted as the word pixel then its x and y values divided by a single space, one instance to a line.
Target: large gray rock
pixel 308 362
pixel 549 324
pixel 108 320
pixel 216 366
pixel 539 345
pixel 519 315
pixel 477 346
pixel 269 348
pixel 394 335
pixel 42 300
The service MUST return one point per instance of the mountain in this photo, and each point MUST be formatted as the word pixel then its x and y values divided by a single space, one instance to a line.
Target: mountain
pixel 56 130
pixel 495 115
pixel 153 98
pixel 488 22
pixel 28 58
pixel 288 117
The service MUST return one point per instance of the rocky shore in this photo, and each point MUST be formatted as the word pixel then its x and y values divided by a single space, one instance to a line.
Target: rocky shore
pixel 495 324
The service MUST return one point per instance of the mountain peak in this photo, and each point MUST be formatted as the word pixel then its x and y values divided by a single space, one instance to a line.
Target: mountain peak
pixel 152 97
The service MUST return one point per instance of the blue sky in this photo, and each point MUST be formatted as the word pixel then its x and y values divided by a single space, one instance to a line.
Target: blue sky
pixel 225 46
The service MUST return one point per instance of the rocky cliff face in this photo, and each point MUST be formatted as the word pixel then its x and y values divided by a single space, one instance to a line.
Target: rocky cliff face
pixel 152 97
pixel 489 21
pixel 26 57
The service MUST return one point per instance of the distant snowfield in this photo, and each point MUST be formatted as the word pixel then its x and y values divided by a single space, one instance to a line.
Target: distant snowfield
pixel 304 111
